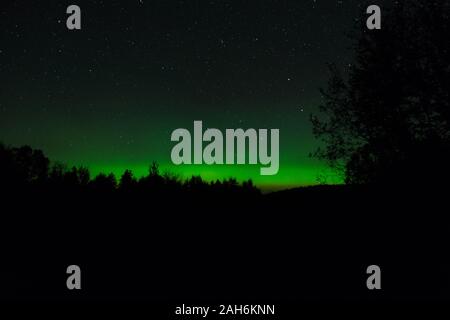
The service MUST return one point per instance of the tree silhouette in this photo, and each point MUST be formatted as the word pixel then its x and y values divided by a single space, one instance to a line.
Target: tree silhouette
pixel 104 183
pixel 22 165
pixel 127 181
pixel 389 118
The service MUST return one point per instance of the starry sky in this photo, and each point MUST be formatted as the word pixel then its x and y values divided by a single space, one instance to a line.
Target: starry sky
pixel 109 95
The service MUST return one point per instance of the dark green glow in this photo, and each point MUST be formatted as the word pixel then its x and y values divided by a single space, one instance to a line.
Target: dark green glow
pixel 107 145
pixel 108 97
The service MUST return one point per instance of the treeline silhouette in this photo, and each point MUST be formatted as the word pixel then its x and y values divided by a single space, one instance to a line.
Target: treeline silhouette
pixel 160 237
pixel 27 168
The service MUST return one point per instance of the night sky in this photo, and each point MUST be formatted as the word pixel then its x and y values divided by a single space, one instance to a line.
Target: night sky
pixel 109 95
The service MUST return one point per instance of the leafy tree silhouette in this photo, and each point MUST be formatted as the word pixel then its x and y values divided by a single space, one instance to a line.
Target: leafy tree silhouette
pixel 154 181
pixel 389 119
pixel 127 181
pixel 22 165
pixel 76 178
pixel 104 183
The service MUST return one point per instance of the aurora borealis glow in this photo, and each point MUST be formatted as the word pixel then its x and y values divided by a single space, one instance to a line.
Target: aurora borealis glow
pixel 109 96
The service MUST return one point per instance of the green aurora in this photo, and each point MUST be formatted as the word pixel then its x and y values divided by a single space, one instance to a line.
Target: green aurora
pixel 138 140
pixel 108 96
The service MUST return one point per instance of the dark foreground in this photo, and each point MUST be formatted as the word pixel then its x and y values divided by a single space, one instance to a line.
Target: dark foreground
pixel 297 249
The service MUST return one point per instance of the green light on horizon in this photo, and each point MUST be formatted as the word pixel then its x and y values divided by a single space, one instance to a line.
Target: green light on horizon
pixel 287 177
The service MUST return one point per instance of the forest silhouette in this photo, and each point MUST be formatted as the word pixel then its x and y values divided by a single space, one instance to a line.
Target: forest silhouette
pixel 23 168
